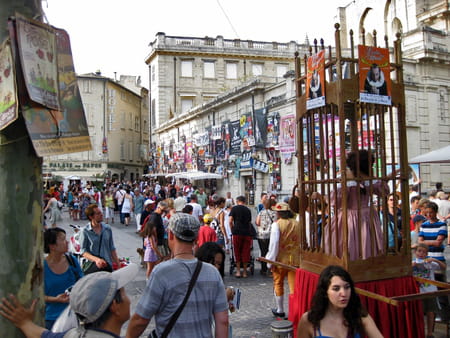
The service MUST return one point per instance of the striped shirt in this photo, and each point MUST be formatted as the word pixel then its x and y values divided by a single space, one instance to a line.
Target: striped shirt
pixel 430 232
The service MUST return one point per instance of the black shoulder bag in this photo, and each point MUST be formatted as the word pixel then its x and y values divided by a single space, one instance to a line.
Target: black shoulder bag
pixel 177 313
pixel 91 267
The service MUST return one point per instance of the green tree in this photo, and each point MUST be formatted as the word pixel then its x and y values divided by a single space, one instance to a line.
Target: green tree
pixel 21 270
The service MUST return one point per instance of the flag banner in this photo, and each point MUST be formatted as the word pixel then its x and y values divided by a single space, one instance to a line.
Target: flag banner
pixel 273 130
pixel 260 128
pixel 235 138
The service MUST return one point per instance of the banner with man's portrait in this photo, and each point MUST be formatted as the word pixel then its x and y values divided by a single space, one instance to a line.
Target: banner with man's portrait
pixel 315 81
pixel 374 75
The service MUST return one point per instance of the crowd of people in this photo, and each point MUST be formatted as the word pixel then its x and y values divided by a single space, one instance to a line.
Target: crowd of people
pixel 179 223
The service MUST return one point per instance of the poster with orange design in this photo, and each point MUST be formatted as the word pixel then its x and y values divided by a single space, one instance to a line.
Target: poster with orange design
pixel 315 81
pixel 374 75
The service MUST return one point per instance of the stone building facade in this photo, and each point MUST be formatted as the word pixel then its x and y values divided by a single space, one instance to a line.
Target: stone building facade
pixel 118 120
pixel 197 83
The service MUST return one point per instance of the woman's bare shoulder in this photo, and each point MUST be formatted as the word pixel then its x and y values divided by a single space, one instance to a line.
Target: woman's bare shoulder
pixel 305 327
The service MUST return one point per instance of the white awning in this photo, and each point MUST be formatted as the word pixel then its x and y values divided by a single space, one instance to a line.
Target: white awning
pixel 441 155
pixel 196 175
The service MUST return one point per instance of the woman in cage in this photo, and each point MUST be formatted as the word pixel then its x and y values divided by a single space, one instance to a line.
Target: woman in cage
pixel 361 211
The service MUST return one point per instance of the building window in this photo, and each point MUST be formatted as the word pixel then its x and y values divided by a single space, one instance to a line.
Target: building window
pixel 124 120
pixel 257 69
pixel 186 104
pixel 87 86
pixel 186 68
pixel 137 126
pixel 281 70
pixel 122 150
pixel 130 121
pixel 231 70
pixel 130 151
pixel 153 73
pixel 209 69
pixel 145 127
pixel 110 121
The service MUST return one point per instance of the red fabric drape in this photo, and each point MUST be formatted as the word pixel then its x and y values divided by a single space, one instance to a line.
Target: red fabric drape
pixel 405 320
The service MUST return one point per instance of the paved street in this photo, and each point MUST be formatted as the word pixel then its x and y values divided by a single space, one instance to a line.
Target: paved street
pixel 254 317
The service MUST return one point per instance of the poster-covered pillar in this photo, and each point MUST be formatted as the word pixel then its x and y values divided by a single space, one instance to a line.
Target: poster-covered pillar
pixel 21 196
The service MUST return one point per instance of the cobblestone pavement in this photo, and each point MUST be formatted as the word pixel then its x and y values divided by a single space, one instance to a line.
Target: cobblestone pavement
pixel 254 317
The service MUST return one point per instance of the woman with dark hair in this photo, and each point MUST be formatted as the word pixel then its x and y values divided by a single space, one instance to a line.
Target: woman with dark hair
pixel 218 222
pixel 61 271
pixel 211 252
pixel 336 309
pixel 362 217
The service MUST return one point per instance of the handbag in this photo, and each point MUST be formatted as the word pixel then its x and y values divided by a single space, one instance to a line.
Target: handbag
pixel 91 267
pixel 252 231
pixel 177 313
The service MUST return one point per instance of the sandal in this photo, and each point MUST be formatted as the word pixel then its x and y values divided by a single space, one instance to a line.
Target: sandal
pixel 237 275
pixel 244 275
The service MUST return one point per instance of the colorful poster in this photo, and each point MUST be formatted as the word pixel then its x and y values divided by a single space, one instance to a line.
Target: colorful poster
pixel 37 50
pixel 246 131
pixel 188 153
pixel 216 132
pixel 8 92
pixel 273 130
pixel 287 134
pixel 374 75
pixel 65 130
pixel 315 81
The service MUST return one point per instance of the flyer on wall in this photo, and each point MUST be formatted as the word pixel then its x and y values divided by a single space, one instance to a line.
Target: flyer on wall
pixel 8 91
pixel 374 75
pixel 37 50
pixel 315 81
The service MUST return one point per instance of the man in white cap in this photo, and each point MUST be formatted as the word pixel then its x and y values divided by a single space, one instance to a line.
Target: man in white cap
pixel 168 286
pixel 99 301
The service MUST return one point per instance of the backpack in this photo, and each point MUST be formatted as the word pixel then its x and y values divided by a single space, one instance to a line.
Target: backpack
pixel 215 224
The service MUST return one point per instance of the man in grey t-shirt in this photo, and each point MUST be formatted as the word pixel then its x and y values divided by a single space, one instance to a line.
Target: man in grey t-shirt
pixel 168 285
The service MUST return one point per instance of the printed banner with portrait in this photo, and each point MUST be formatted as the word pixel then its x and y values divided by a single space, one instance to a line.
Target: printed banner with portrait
pixel 273 130
pixel 260 128
pixel 315 81
pixel 374 75
pixel 9 110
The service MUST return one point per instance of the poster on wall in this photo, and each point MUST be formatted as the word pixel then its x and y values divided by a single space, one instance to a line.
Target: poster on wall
pixel 273 130
pixel 8 93
pixel 216 132
pixel 188 152
pixel 287 133
pixel 37 50
pixel 235 138
pixel 260 128
pixel 246 131
pixel 65 130
pixel 315 81
pixel 374 75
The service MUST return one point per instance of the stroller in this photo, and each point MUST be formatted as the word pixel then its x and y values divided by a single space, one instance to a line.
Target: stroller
pixel 251 263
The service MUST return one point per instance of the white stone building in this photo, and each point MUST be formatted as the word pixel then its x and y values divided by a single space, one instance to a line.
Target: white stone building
pixel 118 120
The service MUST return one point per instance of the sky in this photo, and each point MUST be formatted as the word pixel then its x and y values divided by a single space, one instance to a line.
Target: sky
pixel 114 36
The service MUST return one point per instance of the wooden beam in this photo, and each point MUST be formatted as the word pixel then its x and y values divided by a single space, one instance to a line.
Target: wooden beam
pixel 417 296
pixel 433 282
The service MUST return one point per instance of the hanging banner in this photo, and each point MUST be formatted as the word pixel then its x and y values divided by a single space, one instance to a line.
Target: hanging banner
pixel 315 81
pixel 246 131
pixel 260 128
pixel 37 50
pixel 61 131
pixel 273 130
pixel 261 166
pixel 246 159
pixel 287 135
pixel 201 139
pixel 8 92
pixel 216 132
pixel 188 153
pixel 374 75
pixel 235 138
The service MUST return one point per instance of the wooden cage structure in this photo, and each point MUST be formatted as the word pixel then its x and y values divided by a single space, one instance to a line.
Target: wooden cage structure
pixel 324 136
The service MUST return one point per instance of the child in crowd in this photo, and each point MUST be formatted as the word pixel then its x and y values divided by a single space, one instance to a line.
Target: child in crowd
pixel 424 266
pixel 151 255
pixel 206 232
pixel 417 221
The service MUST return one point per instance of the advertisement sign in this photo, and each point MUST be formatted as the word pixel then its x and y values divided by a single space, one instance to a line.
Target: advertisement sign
pixel 287 134
pixel 315 81
pixel 273 130
pixel 8 92
pixel 374 75
pixel 65 130
pixel 37 50
pixel 235 138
